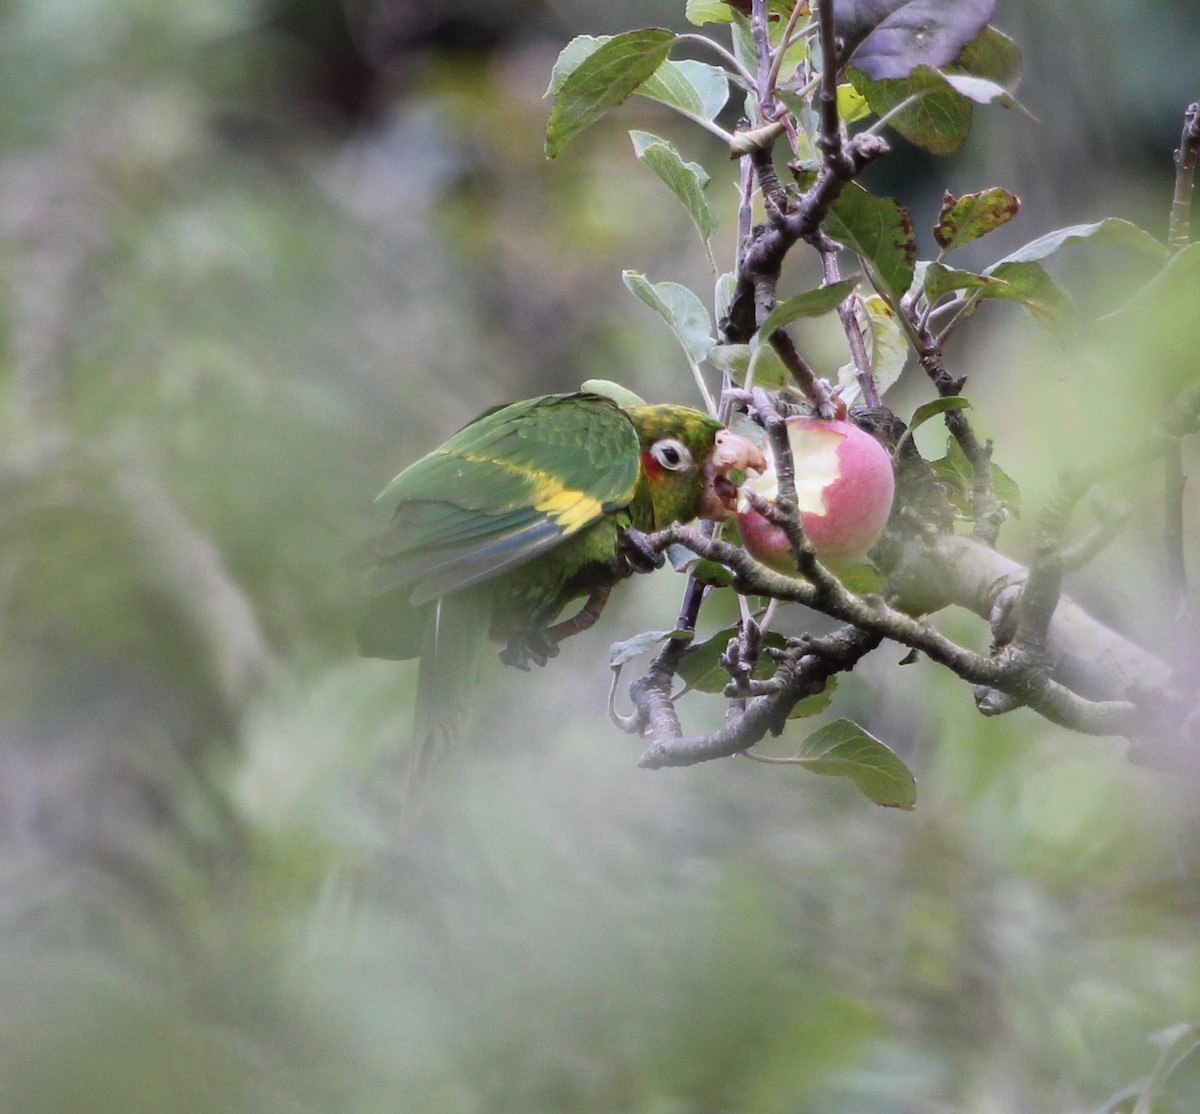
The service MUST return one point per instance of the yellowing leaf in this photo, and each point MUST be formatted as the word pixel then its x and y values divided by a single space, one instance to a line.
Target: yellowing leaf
pixel 887 346
pixel 701 12
pixel 852 105
pixel 964 219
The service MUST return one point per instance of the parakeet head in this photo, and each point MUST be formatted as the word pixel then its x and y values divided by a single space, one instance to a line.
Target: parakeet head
pixel 691 462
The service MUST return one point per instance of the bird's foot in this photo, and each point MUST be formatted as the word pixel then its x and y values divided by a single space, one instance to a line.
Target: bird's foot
pixel 634 548
pixel 527 650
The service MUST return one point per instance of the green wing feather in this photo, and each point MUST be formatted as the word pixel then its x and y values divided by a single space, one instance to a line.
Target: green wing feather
pixel 505 488
pixel 447 677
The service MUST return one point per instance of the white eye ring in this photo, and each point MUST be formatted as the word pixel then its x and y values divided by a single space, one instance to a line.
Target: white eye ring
pixel 673 455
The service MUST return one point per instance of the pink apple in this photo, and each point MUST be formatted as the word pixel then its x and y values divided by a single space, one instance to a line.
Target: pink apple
pixel 844 485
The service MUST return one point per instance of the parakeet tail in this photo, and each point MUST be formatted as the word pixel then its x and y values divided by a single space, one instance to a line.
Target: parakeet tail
pixel 447 679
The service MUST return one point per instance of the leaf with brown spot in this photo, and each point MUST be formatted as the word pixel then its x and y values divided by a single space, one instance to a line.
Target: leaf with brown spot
pixel 967 218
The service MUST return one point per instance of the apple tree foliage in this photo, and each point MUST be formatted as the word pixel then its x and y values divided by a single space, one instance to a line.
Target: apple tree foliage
pixel 806 96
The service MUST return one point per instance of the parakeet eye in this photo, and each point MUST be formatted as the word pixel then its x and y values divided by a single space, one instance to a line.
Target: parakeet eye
pixel 671 454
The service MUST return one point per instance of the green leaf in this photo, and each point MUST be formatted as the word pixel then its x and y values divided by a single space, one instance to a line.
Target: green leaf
pixel 619 653
pixel 880 230
pixel 769 369
pixel 993 55
pixel 700 669
pixel 955 471
pixel 863 579
pixel 1006 490
pixel 941 280
pixel 816 704
pixel 939 121
pixel 686 180
pixel 684 561
pixel 602 80
pixel 1111 230
pixel 812 303
pixel 890 38
pixel 723 291
pixel 690 86
pixel 967 218
pixel 680 309
pixel 569 58
pixel 928 410
pixel 1032 287
pixel 742 40
pixel 701 12
pixel 843 749
pixel 622 396
pixel 733 358
pixel 1028 284
pixel 1181 271
pixel 852 105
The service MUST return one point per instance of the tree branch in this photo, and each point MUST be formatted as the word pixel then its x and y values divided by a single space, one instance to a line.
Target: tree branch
pixel 1113 713
pixel 803 672
pixel 830 138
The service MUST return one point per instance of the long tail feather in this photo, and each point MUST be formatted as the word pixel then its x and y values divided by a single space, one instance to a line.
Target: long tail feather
pixel 447 679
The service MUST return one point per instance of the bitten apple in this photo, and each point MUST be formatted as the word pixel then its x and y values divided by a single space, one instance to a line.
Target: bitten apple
pixel 844 487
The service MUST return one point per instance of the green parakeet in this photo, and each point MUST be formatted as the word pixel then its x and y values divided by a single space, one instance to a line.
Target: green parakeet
pixel 523 510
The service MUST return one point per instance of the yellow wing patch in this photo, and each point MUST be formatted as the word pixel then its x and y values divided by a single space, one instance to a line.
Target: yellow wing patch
pixel 570 509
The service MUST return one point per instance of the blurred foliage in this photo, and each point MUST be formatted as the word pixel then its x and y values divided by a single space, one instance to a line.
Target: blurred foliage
pixel 258 255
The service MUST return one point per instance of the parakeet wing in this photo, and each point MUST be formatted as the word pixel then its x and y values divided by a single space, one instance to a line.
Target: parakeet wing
pixel 508 486
pixel 447 678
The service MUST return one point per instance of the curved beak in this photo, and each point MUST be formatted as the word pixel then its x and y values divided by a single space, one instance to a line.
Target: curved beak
pixel 731 457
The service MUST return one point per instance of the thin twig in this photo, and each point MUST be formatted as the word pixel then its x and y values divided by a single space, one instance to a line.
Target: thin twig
pixel 761 34
pixel 785 41
pixel 854 336
pixel 1174 479
pixel 729 57
pixel 1185 170
pixel 816 390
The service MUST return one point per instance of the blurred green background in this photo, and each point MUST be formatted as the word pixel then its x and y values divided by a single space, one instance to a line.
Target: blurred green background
pixel 259 254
